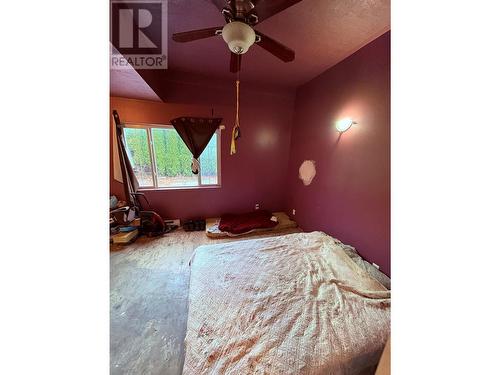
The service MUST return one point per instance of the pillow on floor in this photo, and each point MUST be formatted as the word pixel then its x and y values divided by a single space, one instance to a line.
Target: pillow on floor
pixel 242 223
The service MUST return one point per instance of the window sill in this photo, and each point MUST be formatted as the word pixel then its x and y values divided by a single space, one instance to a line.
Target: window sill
pixel 202 187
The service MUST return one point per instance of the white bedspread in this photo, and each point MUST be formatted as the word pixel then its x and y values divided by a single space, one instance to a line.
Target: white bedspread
pixel 294 304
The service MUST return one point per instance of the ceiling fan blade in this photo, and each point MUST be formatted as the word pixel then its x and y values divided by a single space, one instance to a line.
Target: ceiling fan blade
pixel 235 63
pixel 265 9
pixel 189 36
pixel 276 48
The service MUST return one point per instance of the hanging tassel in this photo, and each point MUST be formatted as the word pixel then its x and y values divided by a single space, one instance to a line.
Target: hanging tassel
pixel 236 128
pixel 195 166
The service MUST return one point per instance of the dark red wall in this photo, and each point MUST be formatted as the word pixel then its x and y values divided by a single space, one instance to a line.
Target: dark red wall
pixel 256 174
pixel 350 195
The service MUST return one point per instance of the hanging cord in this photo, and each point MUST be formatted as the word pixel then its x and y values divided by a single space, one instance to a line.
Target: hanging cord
pixel 236 128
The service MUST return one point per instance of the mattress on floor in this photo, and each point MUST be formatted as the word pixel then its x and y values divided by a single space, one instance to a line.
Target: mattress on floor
pixel 292 304
pixel 284 222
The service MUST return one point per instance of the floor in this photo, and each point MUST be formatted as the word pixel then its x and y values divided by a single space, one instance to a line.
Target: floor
pixel 149 285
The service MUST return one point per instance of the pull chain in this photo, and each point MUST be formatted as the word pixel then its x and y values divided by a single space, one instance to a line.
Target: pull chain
pixel 236 128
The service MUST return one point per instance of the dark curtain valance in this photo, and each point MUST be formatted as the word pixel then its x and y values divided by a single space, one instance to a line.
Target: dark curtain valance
pixel 196 132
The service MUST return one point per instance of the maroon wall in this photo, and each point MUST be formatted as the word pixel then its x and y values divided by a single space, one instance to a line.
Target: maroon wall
pixel 256 174
pixel 350 195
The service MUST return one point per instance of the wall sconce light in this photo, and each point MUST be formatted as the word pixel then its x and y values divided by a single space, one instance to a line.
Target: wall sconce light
pixel 344 124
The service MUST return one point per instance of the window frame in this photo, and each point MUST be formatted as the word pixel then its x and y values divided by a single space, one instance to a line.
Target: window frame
pixel 152 155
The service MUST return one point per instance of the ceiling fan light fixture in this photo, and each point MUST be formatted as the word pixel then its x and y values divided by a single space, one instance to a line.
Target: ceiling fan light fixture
pixel 238 36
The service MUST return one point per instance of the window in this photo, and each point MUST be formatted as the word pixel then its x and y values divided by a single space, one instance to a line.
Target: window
pixel 160 159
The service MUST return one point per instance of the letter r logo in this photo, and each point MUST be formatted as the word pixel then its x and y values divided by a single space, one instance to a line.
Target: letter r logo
pixel 137 27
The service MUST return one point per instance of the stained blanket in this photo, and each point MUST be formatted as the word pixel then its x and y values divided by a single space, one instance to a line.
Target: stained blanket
pixel 293 304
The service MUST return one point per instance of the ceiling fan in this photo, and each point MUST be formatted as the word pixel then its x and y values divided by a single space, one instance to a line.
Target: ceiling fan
pixel 241 16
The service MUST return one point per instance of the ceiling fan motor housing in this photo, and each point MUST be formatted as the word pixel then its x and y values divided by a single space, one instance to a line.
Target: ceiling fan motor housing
pixel 238 36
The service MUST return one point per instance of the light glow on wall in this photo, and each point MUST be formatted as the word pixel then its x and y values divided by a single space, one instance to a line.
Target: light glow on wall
pixel 266 138
pixel 344 124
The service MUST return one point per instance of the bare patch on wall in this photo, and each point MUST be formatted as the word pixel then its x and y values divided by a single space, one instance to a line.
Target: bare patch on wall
pixel 307 171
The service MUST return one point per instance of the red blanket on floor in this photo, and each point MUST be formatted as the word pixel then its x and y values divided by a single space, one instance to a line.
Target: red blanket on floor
pixel 242 223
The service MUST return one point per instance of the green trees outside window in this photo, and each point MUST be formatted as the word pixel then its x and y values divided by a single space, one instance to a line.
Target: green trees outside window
pixel 172 158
